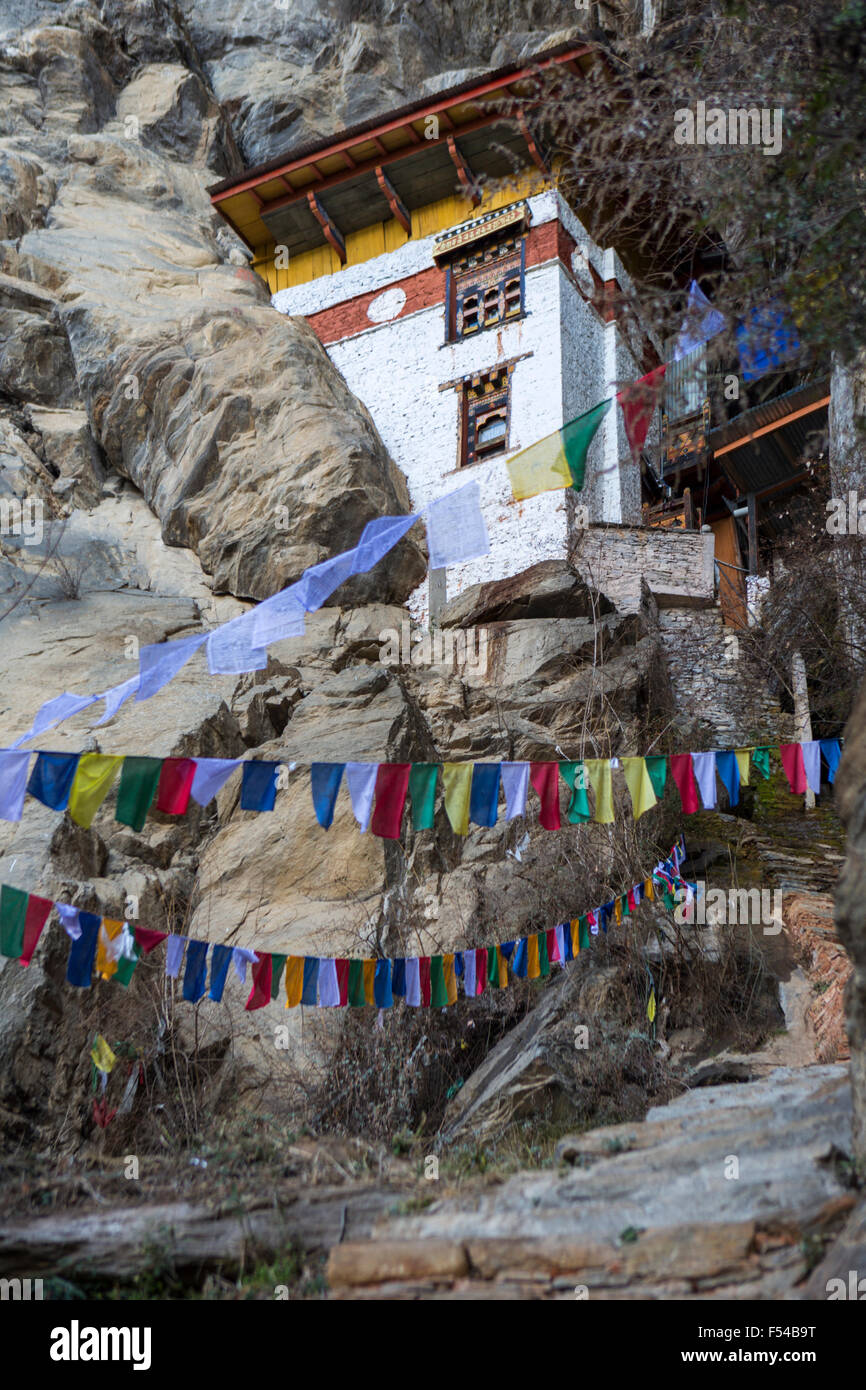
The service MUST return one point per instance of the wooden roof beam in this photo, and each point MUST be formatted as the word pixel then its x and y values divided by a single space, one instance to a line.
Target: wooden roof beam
pixel 398 210
pixel 333 235
pixel 467 179
pixel 537 156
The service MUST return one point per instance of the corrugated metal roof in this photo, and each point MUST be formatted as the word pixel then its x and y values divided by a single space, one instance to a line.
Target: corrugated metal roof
pixel 779 454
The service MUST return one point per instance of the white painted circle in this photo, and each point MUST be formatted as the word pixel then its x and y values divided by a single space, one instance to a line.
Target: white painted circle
pixel 386 305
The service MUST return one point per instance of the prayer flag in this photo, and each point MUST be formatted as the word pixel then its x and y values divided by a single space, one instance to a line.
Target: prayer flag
pixel 13 918
pixel 812 764
pixel 705 775
pixel 175 784
pixel 82 953
pixel 174 955
pixel 455 527
pixel 37 915
pixel 683 774
pixel 438 992
pixel 101 1055
pixel 484 797
pixel 93 778
pixel 515 784
pixel 356 995
pixel 52 777
pixel 220 960
pixel 148 939
pixel 638 401
pixel 260 994
pixel 139 778
pixel 259 787
pixel 545 780
pixel 761 760
pixel 457 788
pixel 832 755
pixel 325 781
pixel 742 756
pixel 294 981
pixel 728 769
pixel 599 772
pixel 639 784
pixel 657 767
pixel 422 793
pixel 701 322
pixel 382 992
pixel 574 775
pixel 106 956
pixel 361 781
pixel 13 782
pixel 558 460
pixel 311 981
pixel 792 761
pixel 195 972
pixel 211 775
pixel 392 785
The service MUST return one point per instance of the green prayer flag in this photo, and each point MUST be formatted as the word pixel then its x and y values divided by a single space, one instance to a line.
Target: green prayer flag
pixel 761 759
pixel 422 793
pixel 543 958
pixel 277 966
pixel 139 778
pixel 125 967
pixel 13 915
pixel 657 767
pixel 493 967
pixel 626 910
pixel 357 996
pixel 574 776
pixel 438 991
pixel 558 460
pixel 582 933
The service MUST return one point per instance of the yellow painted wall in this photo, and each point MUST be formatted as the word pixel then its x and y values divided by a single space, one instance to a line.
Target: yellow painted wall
pixel 388 236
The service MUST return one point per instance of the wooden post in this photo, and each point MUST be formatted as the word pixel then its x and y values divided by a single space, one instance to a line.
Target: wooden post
pixel 753 534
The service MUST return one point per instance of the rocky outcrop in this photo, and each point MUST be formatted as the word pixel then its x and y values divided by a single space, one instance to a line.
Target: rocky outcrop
pixel 850 904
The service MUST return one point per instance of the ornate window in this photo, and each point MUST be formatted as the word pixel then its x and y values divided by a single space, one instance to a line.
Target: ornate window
pixel 486 287
pixel 486 415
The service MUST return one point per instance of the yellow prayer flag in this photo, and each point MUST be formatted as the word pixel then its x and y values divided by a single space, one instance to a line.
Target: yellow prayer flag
pixel 503 970
pixel 450 978
pixel 106 964
pixel 617 911
pixel 598 771
pixel 637 779
pixel 294 981
pixel 93 777
pixel 101 1055
pixel 651 1006
pixel 533 965
pixel 369 978
pixel 744 758
pixel 558 460
pixel 457 788
pixel 648 890
pixel 575 936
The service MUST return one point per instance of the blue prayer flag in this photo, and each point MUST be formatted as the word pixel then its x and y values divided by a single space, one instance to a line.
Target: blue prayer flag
pixel 52 777
pixel 259 787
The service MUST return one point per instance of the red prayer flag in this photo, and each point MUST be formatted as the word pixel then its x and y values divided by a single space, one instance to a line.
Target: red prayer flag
pixel 147 939
pixel 638 401
pixel 632 900
pixel 795 769
pixel 683 774
pixel 392 784
pixel 481 970
pixel 342 980
pixel 175 781
pixel 545 779
pixel 35 919
pixel 424 979
pixel 552 945
pixel 260 994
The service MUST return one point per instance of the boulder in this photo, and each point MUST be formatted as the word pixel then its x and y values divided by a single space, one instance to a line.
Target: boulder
pixel 550 589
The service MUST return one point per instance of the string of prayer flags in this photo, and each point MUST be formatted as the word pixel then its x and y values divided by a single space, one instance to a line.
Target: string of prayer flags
pixel 558 460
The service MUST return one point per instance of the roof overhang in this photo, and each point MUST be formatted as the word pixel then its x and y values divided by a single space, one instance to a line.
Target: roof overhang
pixel 384 169
pixel 763 451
